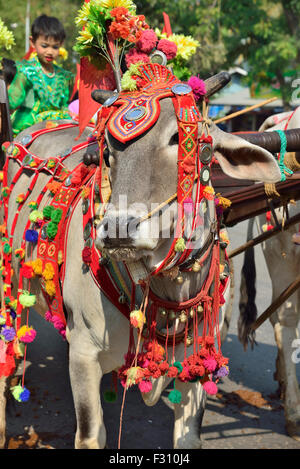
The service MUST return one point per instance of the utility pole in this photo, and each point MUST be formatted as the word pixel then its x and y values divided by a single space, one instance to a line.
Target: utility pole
pixel 27 26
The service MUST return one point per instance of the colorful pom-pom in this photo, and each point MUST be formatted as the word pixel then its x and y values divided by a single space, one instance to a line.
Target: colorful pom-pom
pixel 137 319
pixel 36 215
pixel 56 215
pixel 8 333
pixel 20 393
pixel 50 287
pixel 147 41
pixel 27 299
pixel 6 248
pixel 134 375
pixel 174 396
pixel 210 387
pixel 51 163
pixel 27 270
pixel 210 363
pixel 20 253
pixel 48 272
pixel 180 245
pixel 37 266
pixel 26 334
pixel 47 211
pixel 198 87
pixel 169 48
pixel 33 205
pixel 145 386
pixel 20 198
pixel 31 236
pixel 87 255
pixel 52 229
pixel 110 396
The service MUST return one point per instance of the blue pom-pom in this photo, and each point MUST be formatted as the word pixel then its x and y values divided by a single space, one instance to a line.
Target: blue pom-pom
pixel 25 395
pixel 13 313
pixel 31 236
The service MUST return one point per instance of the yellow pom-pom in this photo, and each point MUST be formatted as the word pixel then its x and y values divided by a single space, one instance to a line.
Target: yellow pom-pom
pixel 37 266
pixel 134 375
pixel 50 287
pixel 137 319
pixel 48 272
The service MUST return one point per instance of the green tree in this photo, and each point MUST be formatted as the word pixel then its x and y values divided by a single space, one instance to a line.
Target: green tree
pixel 267 34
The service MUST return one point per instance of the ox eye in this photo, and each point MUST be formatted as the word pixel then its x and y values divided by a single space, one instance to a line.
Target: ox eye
pixel 174 139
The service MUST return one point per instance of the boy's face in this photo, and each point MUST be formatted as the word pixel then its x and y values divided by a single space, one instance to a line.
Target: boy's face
pixel 47 49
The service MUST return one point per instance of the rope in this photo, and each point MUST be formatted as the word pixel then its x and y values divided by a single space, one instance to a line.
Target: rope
pixel 283 168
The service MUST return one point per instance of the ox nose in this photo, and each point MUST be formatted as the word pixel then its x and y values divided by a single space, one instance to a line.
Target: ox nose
pixel 117 231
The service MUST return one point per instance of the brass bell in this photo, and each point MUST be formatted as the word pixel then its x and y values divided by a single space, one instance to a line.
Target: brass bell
pixel 179 279
pixel 183 316
pixel 191 313
pixel 163 312
pixel 196 267
pixel 189 340
pixel 199 308
pixel 172 315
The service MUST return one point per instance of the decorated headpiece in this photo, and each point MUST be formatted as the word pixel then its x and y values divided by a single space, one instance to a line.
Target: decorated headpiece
pixel 112 38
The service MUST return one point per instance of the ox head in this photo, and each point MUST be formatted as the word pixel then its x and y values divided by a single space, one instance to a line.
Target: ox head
pixel 143 174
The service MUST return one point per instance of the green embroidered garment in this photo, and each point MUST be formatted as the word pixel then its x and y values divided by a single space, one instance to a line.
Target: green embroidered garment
pixel 35 96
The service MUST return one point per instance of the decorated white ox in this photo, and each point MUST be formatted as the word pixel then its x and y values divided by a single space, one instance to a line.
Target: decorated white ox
pixel 162 309
pixel 282 257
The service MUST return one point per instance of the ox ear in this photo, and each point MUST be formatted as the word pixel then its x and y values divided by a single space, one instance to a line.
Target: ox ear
pixel 243 160
pixel 100 96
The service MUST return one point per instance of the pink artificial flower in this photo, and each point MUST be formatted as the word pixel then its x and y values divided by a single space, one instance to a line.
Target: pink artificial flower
pixel 169 48
pixel 147 41
pixel 134 56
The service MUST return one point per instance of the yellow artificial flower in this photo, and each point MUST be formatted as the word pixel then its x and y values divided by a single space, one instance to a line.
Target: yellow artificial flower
pixel 7 39
pixel 82 18
pixel 186 45
pixel 63 53
pixel 110 4
pixel 85 36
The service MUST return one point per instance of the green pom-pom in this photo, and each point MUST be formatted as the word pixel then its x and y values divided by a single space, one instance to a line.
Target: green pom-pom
pixel 178 366
pixel 175 396
pixel 51 229
pixel 27 299
pixel 7 300
pixel 180 245
pixel 56 215
pixel 110 396
pixel 6 248
pixel 47 211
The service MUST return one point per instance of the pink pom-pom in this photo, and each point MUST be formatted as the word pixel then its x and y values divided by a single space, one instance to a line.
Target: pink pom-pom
pixel 57 323
pixel 198 87
pixel 169 48
pixel 147 41
pixel 210 363
pixel 210 387
pixel 28 337
pixel 134 56
pixel 48 316
pixel 145 386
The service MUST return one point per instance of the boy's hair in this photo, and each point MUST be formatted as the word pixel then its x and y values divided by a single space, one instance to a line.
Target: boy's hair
pixel 48 26
pixel 9 70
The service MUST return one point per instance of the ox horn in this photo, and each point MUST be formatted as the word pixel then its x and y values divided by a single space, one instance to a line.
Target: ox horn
pixel 216 83
pixel 100 96
pixel 271 140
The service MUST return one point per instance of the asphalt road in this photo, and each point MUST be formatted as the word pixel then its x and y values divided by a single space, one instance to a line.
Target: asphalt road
pixel 244 415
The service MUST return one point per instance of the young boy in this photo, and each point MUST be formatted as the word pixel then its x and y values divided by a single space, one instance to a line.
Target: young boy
pixel 40 89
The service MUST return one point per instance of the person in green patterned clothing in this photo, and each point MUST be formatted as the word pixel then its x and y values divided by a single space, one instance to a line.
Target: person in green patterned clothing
pixel 41 89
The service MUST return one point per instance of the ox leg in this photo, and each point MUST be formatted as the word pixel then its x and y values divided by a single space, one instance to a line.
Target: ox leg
pixel 188 416
pixel 3 382
pixel 85 375
pixel 286 332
